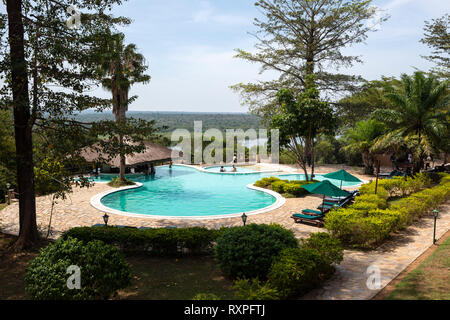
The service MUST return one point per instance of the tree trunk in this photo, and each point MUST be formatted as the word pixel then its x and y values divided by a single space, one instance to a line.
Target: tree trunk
pixel 28 234
pixel 120 114
pixel 368 163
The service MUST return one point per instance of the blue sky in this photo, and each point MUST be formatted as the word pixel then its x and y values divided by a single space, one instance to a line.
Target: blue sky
pixel 189 45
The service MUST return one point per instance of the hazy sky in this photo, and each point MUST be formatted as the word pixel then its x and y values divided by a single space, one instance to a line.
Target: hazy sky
pixel 189 45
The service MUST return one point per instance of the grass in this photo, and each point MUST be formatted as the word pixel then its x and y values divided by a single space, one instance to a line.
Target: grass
pixel 153 278
pixel 3 206
pixel 175 279
pixel 429 281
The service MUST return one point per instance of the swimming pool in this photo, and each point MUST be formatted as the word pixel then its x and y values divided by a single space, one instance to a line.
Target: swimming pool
pixel 228 169
pixel 186 192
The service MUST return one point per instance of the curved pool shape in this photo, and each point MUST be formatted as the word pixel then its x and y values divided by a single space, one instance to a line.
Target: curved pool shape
pixel 188 192
pixel 185 192
pixel 228 169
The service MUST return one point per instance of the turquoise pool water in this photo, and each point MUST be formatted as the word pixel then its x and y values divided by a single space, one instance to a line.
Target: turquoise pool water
pixel 183 191
pixel 228 169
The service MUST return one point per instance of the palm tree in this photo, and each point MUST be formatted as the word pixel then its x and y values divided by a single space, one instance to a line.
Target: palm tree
pixel 120 68
pixel 419 117
pixel 361 139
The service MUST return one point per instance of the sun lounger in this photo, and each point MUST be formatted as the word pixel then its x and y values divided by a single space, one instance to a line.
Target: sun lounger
pixel 352 194
pixel 311 212
pixel 330 205
pixel 314 219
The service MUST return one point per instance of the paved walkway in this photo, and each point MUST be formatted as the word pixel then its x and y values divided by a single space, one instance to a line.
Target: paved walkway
pixel 349 281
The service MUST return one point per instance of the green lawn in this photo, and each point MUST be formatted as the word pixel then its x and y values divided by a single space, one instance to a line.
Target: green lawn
pixel 429 281
pixel 175 279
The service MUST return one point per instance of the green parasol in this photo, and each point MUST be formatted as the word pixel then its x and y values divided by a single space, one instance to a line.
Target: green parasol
pixel 342 175
pixel 326 188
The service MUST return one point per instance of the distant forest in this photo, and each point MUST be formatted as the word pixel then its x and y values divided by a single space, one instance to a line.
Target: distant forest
pixel 184 120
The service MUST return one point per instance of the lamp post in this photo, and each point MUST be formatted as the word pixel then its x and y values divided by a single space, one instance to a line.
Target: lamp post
pixel 435 214
pixel 244 218
pixel 105 218
pixel 8 193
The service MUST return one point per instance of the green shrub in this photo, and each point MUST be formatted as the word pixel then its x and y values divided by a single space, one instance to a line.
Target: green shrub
pixel 159 242
pixel 117 183
pixel 254 290
pixel 294 188
pixel 247 252
pixel 206 296
pixel 364 206
pixel 295 271
pixel 288 195
pixel 329 248
pixel 366 223
pixel 265 182
pixel 369 188
pixel 278 186
pixel 103 271
pixel 380 202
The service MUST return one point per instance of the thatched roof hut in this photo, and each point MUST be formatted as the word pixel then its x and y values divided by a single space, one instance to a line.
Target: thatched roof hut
pixel 154 153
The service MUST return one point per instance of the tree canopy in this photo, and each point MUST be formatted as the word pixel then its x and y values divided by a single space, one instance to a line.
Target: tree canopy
pixel 297 38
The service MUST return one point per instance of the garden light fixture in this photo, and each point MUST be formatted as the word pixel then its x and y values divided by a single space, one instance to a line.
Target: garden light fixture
pixel 244 218
pixel 435 214
pixel 105 218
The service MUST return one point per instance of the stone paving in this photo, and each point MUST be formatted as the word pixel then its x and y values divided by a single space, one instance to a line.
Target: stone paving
pixel 349 282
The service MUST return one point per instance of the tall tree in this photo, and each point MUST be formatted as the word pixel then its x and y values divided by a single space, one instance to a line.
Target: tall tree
pixel 42 56
pixel 297 38
pixel 419 119
pixel 122 66
pixel 437 37
pixel 301 121
pixel 361 139
pixel 371 96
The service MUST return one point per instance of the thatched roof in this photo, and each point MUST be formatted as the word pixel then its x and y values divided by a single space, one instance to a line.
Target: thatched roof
pixel 153 153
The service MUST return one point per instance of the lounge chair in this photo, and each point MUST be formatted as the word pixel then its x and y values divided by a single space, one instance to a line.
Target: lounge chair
pixel 337 200
pixel 330 205
pixel 316 219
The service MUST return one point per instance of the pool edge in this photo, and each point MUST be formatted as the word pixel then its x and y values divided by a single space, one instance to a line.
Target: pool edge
pixel 96 203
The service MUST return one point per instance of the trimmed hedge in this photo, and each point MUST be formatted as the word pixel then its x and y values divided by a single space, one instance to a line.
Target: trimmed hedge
pixel 265 182
pixel 368 221
pixel 248 251
pixel 289 189
pixel 158 242
pixel 103 271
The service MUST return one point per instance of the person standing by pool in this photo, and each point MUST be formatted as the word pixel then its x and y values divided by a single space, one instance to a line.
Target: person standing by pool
pixel 170 164
pixel 235 158
pixel 152 169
